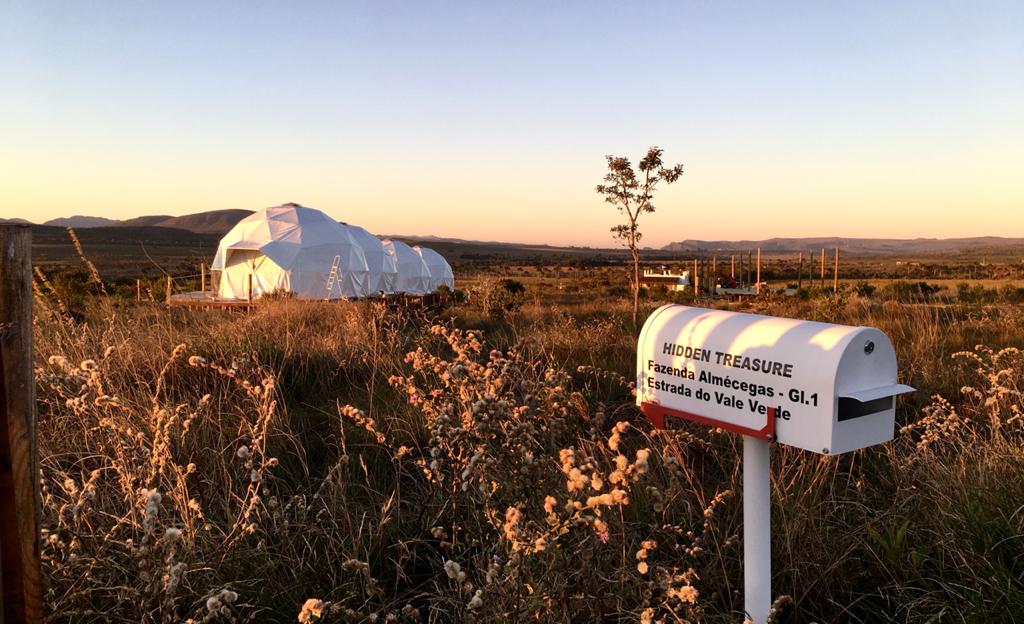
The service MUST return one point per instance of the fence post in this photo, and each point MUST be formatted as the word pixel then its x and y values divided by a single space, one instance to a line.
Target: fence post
pixel 168 290
pixel 202 277
pixel 248 292
pixel 20 573
pixel 138 291
pixel 757 288
pixel 835 274
pixel 823 268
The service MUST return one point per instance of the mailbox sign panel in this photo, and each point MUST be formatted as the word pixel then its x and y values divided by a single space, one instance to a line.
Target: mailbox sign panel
pixel 822 387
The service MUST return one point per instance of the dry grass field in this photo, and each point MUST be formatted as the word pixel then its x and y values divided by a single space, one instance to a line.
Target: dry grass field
pixel 484 462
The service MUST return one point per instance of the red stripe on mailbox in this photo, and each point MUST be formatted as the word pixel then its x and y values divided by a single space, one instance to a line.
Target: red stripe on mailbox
pixel 657 413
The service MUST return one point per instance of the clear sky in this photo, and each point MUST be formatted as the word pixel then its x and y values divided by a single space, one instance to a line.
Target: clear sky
pixel 491 120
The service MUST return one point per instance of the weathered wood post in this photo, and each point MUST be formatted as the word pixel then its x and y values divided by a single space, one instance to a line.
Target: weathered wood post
pixel 732 271
pixel 835 274
pixel 696 281
pixel 823 268
pixel 800 273
pixel 757 288
pixel 138 291
pixel 168 298
pixel 202 277
pixel 248 291
pixel 20 574
pixel 714 276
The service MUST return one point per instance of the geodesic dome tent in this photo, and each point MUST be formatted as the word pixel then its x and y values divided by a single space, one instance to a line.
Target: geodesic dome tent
pixel 440 271
pixel 413 274
pixel 383 269
pixel 290 248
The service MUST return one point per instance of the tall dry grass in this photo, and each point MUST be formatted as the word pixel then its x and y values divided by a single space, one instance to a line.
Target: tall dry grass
pixel 346 462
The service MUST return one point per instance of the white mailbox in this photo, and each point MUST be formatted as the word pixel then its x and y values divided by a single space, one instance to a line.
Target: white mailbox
pixel 817 386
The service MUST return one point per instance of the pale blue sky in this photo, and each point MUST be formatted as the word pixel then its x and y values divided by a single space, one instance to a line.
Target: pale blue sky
pixel 491 121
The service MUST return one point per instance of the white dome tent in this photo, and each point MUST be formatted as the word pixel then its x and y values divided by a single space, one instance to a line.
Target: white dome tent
pixel 383 268
pixel 440 271
pixel 413 274
pixel 290 248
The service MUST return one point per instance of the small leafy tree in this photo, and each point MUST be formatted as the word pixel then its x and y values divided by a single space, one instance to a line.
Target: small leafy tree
pixel 633 195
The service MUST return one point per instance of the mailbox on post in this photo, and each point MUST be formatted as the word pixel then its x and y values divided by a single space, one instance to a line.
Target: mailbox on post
pixel 816 386
pixel 831 388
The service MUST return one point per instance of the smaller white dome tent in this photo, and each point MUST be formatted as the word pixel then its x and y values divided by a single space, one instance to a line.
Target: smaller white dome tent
pixel 383 268
pixel 290 248
pixel 440 271
pixel 413 274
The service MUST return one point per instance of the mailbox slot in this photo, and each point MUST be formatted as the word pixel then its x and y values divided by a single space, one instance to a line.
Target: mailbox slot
pixel 852 408
pixel 869 401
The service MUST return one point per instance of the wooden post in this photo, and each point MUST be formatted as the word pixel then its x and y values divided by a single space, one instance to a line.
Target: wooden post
pixel 732 271
pixel 248 292
pixel 823 268
pixel 695 280
pixel 20 573
pixel 138 291
pixel 835 274
pixel 202 277
pixel 757 288
pixel 168 290
pixel 800 273
pixel 742 275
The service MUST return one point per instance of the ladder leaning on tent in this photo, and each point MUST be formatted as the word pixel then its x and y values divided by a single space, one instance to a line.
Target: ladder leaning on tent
pixel 332 276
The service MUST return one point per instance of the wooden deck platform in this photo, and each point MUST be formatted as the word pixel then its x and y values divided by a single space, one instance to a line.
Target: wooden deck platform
pixel 208 299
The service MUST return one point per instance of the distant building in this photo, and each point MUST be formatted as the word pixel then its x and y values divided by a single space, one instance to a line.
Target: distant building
pixel 672 281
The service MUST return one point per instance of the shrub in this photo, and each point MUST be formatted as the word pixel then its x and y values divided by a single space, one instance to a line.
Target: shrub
pixel 864 289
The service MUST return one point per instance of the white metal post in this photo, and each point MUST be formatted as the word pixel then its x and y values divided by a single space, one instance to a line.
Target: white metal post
pixel 757 529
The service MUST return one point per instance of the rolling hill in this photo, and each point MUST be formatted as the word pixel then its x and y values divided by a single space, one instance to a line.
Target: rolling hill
pixel 81 221
pixel 147 221
pixel 211 222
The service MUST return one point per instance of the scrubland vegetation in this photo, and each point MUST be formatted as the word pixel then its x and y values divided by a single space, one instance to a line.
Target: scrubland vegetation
pixel 348 462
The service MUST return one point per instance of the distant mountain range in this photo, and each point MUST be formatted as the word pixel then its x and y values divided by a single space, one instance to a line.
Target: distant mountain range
pixel 211 222
pixel 218 222
pixel 851 246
